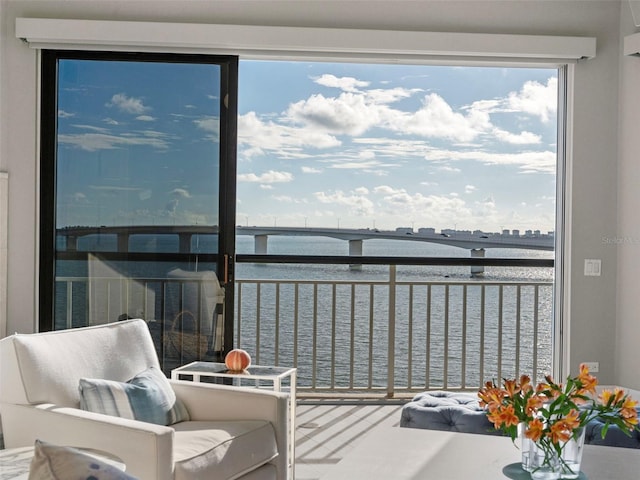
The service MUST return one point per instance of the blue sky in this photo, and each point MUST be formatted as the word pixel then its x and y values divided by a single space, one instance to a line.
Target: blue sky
pixel 137 143
pixel 388 146
pixel 319 144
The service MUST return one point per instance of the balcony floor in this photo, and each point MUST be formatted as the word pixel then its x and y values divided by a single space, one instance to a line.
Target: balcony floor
pixel 327 430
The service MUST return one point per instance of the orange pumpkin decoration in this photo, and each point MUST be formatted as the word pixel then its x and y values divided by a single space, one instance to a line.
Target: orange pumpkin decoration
pixel 237 360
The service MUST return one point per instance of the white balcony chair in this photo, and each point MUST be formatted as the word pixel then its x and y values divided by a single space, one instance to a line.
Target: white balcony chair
pixel 232 432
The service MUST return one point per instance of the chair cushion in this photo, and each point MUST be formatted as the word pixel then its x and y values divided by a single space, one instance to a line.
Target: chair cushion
pixel 54 462
pixel 222 449
pixel 46 367
pixel 449 411
pixel 147 397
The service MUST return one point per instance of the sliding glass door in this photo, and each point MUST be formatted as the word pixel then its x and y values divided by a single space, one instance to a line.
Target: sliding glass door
pixel 138 196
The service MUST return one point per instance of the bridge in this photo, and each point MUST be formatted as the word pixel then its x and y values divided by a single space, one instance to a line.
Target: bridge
pixel 476 242
pixel 466 240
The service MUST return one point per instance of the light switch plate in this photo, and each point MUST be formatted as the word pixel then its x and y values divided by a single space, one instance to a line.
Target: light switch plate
pixel 594 367
pixel 592 267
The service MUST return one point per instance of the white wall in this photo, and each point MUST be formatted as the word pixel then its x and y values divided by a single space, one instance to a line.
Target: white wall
pixel 628 314
pixel 595 167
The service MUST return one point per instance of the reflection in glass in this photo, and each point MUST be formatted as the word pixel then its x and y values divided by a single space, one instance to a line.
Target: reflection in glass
pixel 137 175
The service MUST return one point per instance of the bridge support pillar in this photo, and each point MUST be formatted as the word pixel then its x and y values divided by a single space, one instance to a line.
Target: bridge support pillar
pixel 72 243
pixel 355 248
pixel 184 240
pixel 123 242
pixel 477 253
pixel 260 244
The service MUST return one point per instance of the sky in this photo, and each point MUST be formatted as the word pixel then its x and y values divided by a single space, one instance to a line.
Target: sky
pixel 388 146
pixel 138 143
pixel 319 145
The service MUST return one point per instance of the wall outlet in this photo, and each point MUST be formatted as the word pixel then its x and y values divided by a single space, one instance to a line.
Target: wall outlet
pixel 594 367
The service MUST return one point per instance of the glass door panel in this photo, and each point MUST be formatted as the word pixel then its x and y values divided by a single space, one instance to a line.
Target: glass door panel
pixel 136 188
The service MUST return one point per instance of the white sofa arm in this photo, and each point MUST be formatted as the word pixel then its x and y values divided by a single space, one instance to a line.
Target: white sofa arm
pixel 206 401
pixel 145 448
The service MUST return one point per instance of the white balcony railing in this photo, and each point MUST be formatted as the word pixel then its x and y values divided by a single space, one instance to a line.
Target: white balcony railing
pixel 393 336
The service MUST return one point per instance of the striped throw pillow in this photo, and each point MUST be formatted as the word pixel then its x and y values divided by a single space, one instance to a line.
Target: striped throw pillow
pixel 147 397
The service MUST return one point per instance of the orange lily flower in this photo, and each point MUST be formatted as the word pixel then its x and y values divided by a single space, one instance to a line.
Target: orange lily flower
pixel 534 429
pixel 533 404
pixel 589 382
pixel 525 384
pixel 572 420
pixel 619 395
pixel 512 388
pixel 508 417
pixel 559 432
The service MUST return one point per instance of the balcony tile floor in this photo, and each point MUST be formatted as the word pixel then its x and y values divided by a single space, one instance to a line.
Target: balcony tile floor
pixel 327 431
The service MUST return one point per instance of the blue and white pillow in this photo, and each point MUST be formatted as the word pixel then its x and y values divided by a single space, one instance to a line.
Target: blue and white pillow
pixel 147 397
pixel 55 462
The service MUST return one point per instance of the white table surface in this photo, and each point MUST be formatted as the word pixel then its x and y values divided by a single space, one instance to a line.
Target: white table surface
pixel 396 453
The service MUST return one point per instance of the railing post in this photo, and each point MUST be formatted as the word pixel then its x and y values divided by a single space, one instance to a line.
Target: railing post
pixel 391 350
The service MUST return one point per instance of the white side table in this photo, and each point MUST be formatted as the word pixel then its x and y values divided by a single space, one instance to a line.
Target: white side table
pixel 254 376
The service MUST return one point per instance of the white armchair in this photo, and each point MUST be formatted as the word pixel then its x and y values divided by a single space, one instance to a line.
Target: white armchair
pixel 232 432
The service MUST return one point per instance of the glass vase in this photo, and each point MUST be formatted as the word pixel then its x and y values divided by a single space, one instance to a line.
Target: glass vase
pixel 545 462
pixel 525 446
pixel 571 457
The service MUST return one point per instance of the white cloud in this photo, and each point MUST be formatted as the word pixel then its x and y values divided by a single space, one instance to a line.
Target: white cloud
pixel 355 112
pixel 258 136
pixel 268 177
pixel 386 190
pixel 437 119
pixel 92 128
pixel 389 95
pixel 208 124
pixel 145 118
pixel 310 170
pixel 448 169
pixel 536 99
pixel 359 164
pixel 437 209
pixel 283 198
pixel 394 147
pixel 522 138
pixel 112 189
pixel 154 134
pixel 469 189
pixel 63 114
pixel 348 84
pixel 348 114
pixel 358 205
pixel 366 154
pixel 180 192
pixel 98 141
pixel 532 161
pixel 128 104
